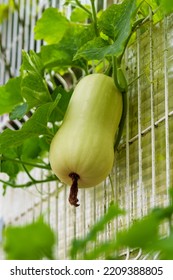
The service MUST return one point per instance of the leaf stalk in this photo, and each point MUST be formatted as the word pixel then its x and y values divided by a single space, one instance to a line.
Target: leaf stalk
pixel 19 161
pixel 29 183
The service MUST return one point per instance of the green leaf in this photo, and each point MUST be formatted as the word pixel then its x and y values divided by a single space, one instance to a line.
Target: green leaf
pixel 166 6
pixel 104 250
pixel 95 49
pixel 61 55
pixel 51 26
pixel 4 10
pixel 160 7
pixel 142 234
pixel 30 148
pixel 35 126
pixel 31 63
pixel 10 95
pixel 165 247
pixel 59 112
pixel 19 111
pixel 30 152
pixel 79 245
pixel 117 20
pixel 148 5
pixel 68 2
pixel 33 241
pixel 9 167
pixel 33 85
pixel 79 15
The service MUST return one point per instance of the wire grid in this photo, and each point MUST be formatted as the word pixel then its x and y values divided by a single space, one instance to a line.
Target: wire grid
pixel 143 169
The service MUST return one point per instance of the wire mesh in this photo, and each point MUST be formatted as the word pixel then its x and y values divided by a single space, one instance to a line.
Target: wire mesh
pixel 143 169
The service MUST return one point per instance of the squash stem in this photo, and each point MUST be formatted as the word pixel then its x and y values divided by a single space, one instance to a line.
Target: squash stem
pixel 94 17
pixel 122 121
pixel 74 189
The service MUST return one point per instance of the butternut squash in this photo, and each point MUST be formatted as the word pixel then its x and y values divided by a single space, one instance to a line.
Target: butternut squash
pixel 82 151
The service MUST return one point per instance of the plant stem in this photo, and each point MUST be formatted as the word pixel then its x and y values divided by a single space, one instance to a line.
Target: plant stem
pixel 94 17
pixel 29 183
pixel 122 121
pixel 27 172
pixel 112 188
pixel 116 65
pixel 115 76
pixel 26 163
pixel 83 8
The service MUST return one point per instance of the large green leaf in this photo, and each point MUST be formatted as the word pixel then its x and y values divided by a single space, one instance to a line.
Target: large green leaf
pixel 116 23
pixel 51 26
pixel 35 126
pixel 33 241
pixel 10 95
pixel 117 20
pixel 33 85
pixel 61 55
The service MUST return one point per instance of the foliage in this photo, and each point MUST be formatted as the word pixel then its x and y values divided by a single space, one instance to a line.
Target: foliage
pixel 143 234
pixel 37 240
pixel 33 241
pixel 5 9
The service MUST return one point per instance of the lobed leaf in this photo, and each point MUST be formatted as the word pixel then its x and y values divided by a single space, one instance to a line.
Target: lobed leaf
pixel 61 55
pixel 33 241
pixel 35 126
pixel 33 86
pixel 51 26
pixel 115 23
pixel 10 95
pixel 117 20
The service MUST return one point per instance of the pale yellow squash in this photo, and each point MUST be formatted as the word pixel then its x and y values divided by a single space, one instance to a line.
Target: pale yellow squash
pixel 84 144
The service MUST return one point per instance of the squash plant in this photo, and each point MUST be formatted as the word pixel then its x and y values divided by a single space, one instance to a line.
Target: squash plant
pixel 90 44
